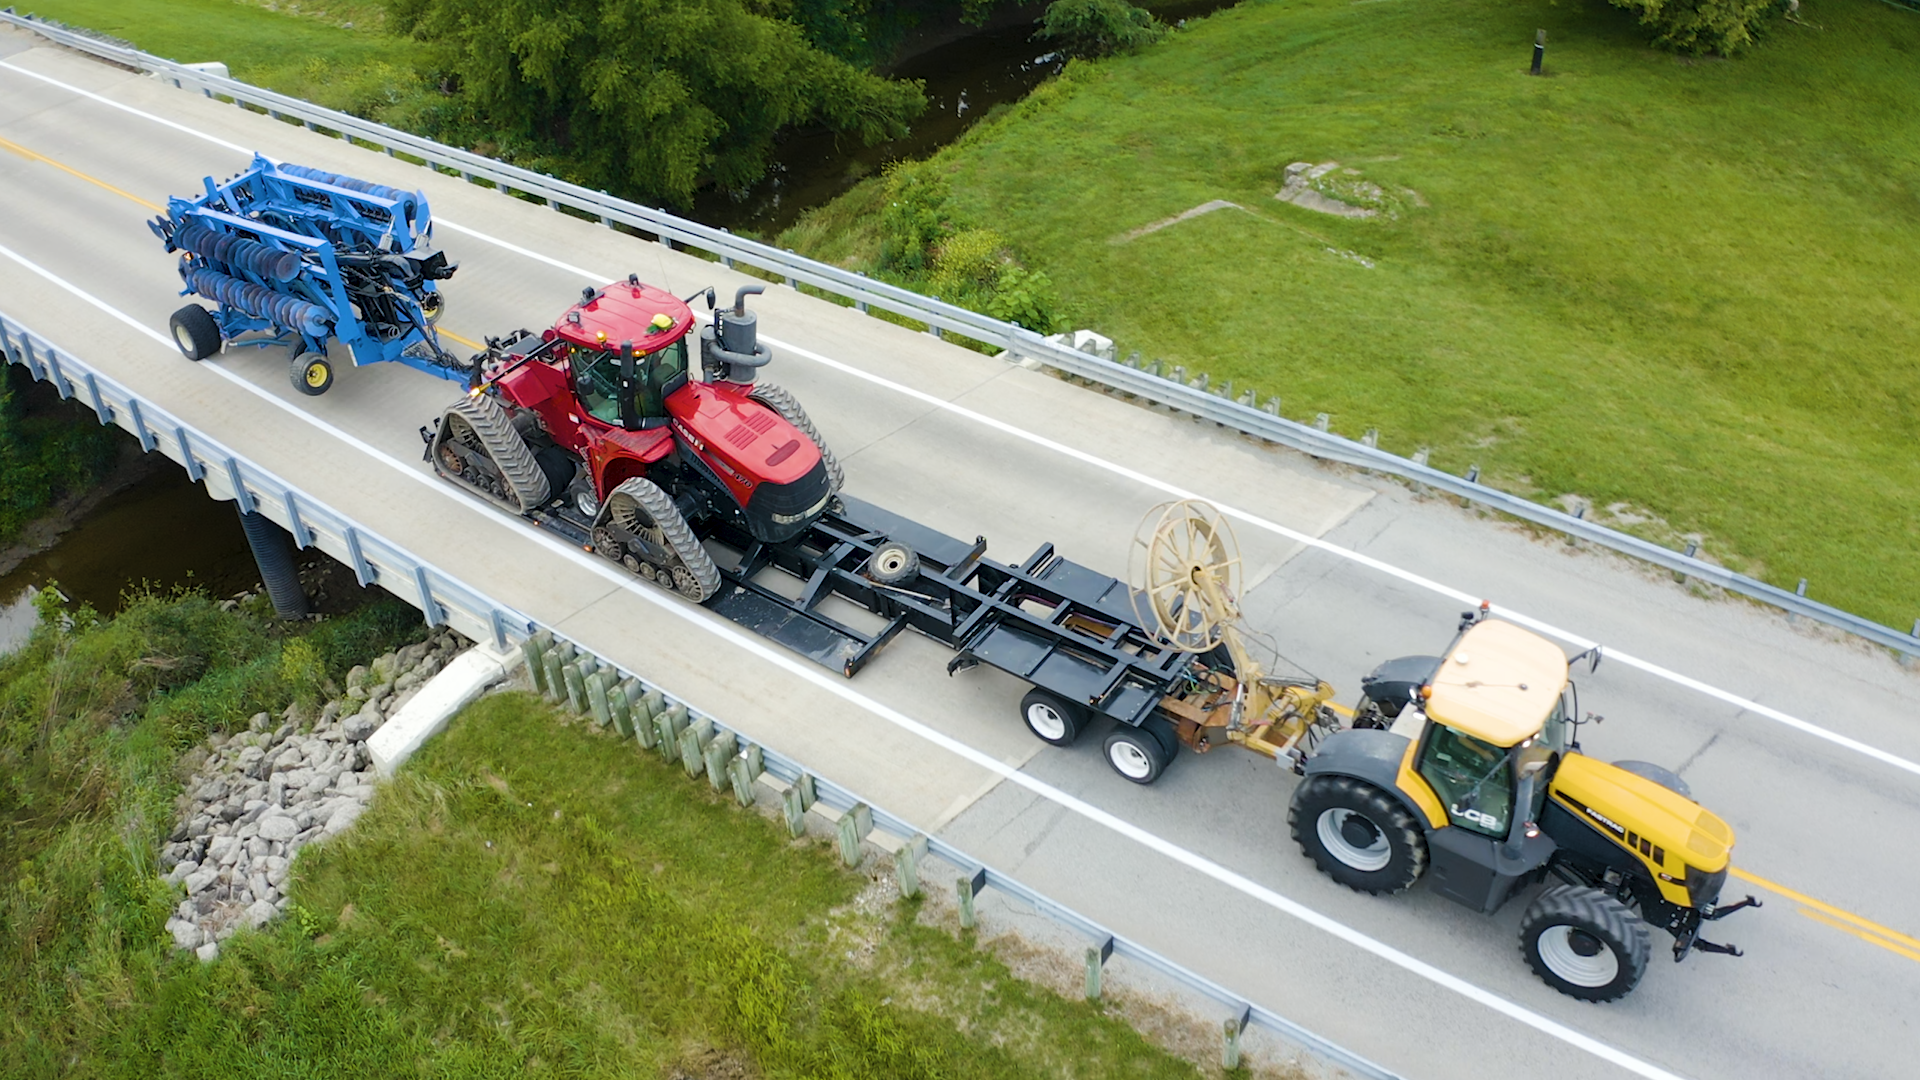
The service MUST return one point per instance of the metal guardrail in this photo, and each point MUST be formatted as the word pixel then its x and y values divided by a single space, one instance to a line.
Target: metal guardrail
pixel 867 293
pixel 446 601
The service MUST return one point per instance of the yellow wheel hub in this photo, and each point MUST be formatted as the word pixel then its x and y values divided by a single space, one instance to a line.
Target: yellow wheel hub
pixel 316 374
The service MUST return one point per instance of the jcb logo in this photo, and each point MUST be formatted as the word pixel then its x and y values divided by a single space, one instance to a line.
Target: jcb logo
pixel 1477 817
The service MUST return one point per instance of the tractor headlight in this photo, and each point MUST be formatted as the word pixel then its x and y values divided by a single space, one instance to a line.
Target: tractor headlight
pixel 1703 889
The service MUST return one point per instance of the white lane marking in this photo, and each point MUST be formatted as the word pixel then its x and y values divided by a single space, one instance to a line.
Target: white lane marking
pixel 161 120
pixel 811 674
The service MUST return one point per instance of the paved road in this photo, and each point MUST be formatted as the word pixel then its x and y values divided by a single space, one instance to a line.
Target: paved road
pixel 1199 866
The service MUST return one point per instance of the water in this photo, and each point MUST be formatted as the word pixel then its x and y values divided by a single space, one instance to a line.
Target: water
pixel 965 79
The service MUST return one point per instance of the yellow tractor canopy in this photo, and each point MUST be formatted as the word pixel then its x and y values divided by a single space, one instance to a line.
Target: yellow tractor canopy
pixel 1498 683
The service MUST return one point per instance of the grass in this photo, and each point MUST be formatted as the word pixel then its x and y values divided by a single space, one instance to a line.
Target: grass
pixel 1691 288
pixel 529 898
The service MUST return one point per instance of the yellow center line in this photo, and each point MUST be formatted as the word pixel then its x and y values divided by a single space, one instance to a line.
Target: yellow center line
pixel 33 155
pixel 1861 934
pixel 45 160
pixel 1836 917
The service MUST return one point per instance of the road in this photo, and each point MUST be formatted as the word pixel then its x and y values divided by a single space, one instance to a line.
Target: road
pixel 1344 570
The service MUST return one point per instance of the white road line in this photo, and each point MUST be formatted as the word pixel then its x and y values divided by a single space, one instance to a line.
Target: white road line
pixel 843 690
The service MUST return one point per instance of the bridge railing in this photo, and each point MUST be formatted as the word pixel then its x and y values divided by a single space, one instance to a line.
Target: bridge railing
pixel 867 293
pixel 446 601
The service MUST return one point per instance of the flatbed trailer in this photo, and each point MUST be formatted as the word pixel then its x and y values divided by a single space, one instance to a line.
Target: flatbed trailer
pixel 1068 631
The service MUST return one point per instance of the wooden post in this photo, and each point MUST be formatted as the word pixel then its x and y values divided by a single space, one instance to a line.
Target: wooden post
pixel 646 707
pixel 555 688
pixel 668 724
pixel 809 792
pixel 906 865
pixel 692 753
pixel 719 753
pixel 795 813
pixel 741 773
pixel 597 699
pixel 850 834
pixel 968 888
pixel 576 686
pixel 622 708
pixel 756 761
pixel 535 650
pixel 862 819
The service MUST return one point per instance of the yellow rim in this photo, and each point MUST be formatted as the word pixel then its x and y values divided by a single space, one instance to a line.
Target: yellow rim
pixel 316 374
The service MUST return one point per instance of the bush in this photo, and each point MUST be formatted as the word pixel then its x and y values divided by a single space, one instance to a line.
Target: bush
pixel 1028 298
pixel 913 217
pixel 1702 26
pixel 1095 28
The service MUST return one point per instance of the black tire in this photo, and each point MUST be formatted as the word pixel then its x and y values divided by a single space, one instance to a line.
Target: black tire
pixel 311 374
pixel 195 332
pixel 1137 754
pixel 1357 834
pixel 1585 943
pixel 893 563
pixel 1666 778
pixel 1052 719
pixel 780 400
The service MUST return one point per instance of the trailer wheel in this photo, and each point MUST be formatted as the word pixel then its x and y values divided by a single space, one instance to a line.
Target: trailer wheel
pixel 1051 718
pixel 195 332
pixel 893 563
pixel 311 374
pixel 1137 754
pixel 1584 943
pixel 1357 834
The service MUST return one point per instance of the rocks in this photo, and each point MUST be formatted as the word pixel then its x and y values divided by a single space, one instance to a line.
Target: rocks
pixel 256 796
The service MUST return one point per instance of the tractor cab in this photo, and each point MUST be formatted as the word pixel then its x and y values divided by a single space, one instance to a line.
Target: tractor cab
pixel 626 348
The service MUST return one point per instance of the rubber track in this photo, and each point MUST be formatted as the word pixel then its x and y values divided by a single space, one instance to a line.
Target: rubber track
pixel 507 449
pixel 673 528
pixel 776 397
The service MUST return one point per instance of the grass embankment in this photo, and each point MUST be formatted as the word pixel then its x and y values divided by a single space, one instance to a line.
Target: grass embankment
pixel 528 899
pixel 1689 287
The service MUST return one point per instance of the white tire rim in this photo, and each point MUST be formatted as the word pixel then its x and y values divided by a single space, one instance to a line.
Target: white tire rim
pixel 1129 760
pixel 1557 951
pixel 1045 722
pixel 1369 859
pixel 183 339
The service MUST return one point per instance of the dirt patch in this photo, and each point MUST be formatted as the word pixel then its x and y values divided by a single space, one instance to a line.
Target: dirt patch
pixel 711 1064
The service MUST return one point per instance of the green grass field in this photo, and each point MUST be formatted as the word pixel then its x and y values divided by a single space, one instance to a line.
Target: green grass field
pixel 1690 287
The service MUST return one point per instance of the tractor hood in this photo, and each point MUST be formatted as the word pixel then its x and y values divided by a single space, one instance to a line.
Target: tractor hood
pixel 1661 825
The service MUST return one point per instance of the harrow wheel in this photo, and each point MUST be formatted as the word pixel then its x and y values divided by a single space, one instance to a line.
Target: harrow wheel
pixel 195 332
pixel 640 508
pixel 312 375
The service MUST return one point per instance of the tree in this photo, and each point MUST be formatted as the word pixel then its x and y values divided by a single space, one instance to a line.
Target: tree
pixel 1703 26
pixel 649 97
pixel 1095 28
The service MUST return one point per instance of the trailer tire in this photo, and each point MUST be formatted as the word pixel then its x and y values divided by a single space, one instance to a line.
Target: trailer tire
pixel 893 563
pixel 1357 834
pixel 195 332
pixel 311 374
pixel 1137 754
pixel 777 398
pixel 1052 719
pixel 1584 943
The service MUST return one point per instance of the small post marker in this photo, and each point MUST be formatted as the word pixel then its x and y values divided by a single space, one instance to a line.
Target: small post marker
pixel 850 835
pixel 968 888
pixel 1539 50
pixel 906 865
pixel 794 811
pixel 1233 1028
pixel 1096 961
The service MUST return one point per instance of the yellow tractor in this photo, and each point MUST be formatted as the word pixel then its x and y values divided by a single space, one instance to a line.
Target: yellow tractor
pixel 1466 768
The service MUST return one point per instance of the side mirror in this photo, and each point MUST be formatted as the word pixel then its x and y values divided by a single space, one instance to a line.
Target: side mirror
pixel 629 416
pixel 1530 769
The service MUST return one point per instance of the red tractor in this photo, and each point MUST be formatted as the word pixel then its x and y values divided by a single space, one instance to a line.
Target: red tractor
pixel 597 430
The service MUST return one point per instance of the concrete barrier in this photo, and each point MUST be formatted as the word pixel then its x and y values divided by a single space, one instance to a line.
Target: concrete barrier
pixel 461 681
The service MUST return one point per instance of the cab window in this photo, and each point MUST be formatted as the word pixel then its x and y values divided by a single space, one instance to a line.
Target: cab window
pixel 1553 733
pixel 1473 778
pixel 659 371
pixel 596 380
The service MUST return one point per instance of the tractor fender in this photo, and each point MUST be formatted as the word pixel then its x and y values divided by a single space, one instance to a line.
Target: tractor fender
pixel 1395 681
pixel 1367 754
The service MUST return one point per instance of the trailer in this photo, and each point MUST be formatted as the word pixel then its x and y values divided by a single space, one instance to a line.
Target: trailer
pixel 301 257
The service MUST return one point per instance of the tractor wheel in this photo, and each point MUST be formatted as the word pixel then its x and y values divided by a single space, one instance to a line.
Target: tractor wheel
pixel 779 400
pixel 195 332
pixel 893 563
pixel 1051 718
pixel 1141 754
pixel 1357 834
pixel 641 508
pixel 311 374
pixel 1666 778
pixel 1584 943
pixel 483 429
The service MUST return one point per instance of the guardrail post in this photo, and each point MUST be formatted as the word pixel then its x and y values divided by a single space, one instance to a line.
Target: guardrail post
pixel 693 747
pixel 621 707
pixel 429 607
pixel 597 699
pixel 1096 962
pixel 968 888
pixel 851 834
pixel 197 472
pixel 906 865
pixel 576 683
pixel 1232 1029
pixel 147 441
pixel 241 495
pixel 719 754
pixel 645 707
pixel 535 650
pixel 302 538
pixel 669 725
pixel 740 773
pixel 556 682
pixel 792 810
pixel 363 571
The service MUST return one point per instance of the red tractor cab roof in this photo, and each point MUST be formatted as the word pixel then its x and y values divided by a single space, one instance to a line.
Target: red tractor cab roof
pixel 625 311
